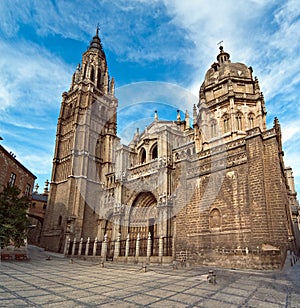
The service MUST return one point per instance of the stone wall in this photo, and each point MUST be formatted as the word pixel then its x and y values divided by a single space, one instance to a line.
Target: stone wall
pixel 235 216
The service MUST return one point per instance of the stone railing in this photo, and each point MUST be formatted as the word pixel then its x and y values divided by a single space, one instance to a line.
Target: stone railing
pixel 110 250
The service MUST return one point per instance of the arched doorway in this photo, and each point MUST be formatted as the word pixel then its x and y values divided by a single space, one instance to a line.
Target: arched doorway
pixel 143 219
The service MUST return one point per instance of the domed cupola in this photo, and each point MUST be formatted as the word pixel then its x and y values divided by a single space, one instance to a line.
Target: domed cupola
pixel 230 102
pixel 223 56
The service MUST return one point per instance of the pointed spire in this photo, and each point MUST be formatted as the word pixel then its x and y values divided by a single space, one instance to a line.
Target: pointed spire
pixel 187 120
pixel 36 187
pixel 194 114
pixel 46 190
pixel 112 86
pixel 96 42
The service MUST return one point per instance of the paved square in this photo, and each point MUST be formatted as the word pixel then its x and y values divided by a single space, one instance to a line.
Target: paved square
pixel 58 282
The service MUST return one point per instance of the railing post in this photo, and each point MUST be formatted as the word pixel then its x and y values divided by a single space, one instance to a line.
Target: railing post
pixel 127 246
pixel 67 245
pixel 117 246
pixel 104 247
pixel 74 245
pixel 137 246
pixel 87 246
pixel 95 247
pixel 80 247
pixel 149 242
pixel 161 246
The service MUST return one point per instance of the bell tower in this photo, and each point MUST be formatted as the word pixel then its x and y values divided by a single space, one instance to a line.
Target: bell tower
pixel 84 149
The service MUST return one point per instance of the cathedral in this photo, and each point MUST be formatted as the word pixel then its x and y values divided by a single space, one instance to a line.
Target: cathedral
pixel 212 190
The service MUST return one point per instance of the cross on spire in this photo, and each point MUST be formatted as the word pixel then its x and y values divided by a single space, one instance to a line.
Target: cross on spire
pixel 98 29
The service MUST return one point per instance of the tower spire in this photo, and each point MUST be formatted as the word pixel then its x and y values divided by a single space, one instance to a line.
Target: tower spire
pixel 96 41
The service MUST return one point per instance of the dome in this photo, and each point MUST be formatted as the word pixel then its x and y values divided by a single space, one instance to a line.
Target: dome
pixel 225 68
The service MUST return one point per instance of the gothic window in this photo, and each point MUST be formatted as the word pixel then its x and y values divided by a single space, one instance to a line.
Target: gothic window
pixel 213 128
pixel 12 179
pixel 84 71
pixel 92 75
pixel 143 156
pixel 251 120
pixel 226 123
pixel 99 79
pixel 154 152
pixel 238 119
pixel 70 110
pixel 215 219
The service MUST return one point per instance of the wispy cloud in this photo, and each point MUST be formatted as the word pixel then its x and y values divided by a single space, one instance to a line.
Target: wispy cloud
pixel 182 34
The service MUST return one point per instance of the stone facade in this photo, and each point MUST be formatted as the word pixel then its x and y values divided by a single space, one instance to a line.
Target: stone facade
pixel 215 193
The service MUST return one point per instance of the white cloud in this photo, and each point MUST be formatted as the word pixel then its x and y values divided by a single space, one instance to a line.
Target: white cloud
pixel 261 33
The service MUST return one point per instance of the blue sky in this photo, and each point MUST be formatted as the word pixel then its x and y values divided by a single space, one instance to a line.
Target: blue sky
pixel 41 43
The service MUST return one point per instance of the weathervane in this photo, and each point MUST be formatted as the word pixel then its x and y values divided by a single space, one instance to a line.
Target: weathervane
pixel 98 28
pixel 220 43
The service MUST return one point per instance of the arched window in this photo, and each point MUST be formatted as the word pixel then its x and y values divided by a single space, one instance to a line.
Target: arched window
pixel 99 79
pixel 251 120
pixel 154 152
pixel 59 220
pixel 213 128
pixel 143 156
pixel 226 123
pixel 92 75
pixel 215 219
pixel 238 119
pixel 84 71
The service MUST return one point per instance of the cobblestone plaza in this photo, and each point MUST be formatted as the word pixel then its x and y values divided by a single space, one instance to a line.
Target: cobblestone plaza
pixel 52 281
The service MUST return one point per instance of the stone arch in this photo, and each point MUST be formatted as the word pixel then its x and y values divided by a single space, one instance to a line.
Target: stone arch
pixel 226 123
pixel 154 151
pixel 143 215
pixel 251 120
pixel 215 221
pixel 142 156
pixel 239 120
pixel 213 128
pixel 92 74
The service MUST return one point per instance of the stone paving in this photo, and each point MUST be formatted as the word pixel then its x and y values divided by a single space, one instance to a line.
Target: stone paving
pixel 57 282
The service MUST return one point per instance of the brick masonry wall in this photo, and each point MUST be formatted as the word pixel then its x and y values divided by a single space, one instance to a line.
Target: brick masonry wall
pixel 250 198
pixel 8 165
